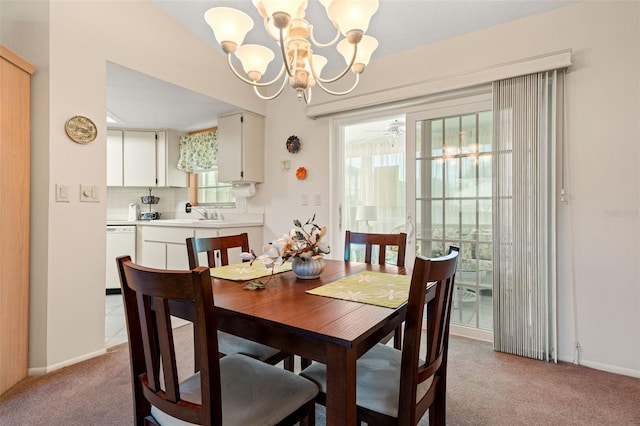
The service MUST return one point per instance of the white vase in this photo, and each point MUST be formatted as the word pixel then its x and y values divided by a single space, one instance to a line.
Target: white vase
pixel 307 269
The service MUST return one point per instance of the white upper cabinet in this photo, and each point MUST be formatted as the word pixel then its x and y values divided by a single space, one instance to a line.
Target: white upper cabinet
pixel 168 154
pixel 114 158
pixel 144 158
pixel 241 147
pixel 139 158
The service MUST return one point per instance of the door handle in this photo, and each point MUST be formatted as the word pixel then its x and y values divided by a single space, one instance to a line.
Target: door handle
pixel 410 228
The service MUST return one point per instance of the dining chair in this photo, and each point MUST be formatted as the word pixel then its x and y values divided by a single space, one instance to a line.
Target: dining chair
pixel 218 247
pixel 382 241
pixel 233 390
pixel 396 387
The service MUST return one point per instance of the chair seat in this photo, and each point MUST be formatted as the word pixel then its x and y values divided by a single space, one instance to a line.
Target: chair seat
pixel 377 379
pixel 253 393
pixel 229 344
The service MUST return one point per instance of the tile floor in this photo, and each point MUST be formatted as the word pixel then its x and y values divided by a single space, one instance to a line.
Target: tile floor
pixel 115 331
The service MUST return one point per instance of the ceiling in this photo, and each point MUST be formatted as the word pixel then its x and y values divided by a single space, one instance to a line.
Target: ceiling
pixel 141 101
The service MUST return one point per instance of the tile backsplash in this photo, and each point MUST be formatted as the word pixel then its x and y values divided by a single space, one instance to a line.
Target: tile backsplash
pixel 172 201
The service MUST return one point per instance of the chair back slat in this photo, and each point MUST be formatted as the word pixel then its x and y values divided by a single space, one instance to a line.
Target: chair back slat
pixel 213 246
pixel 147 294
pixel 381 240
pixel 442 272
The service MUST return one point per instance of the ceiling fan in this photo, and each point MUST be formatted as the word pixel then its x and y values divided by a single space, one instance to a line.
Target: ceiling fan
pixel 393 128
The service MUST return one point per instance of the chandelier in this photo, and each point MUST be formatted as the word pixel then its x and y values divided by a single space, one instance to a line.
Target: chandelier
pixel 284 22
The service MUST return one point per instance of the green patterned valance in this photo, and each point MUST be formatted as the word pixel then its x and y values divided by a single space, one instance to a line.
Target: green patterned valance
pixel 199 152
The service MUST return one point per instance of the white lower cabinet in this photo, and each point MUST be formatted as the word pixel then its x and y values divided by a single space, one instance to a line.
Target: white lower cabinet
pixel 165 247
pixel 255 240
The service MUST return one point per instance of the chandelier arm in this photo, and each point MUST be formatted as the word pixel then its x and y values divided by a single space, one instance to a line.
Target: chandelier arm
pixel 265 21
pixel 268 98
pixel 253 83
pixel 317 43
pixel 331 92
pixel 307 97
pixel 284 54
pixel 331 80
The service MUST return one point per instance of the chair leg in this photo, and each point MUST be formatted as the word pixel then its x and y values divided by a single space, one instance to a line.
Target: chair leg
pixel 196 365
pixel 310 419
pixel 304 363
pixel 437 411
pixel 289 363
pixel 397 338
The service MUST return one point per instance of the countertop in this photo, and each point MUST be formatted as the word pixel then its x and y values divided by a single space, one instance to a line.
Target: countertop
pixel 189 223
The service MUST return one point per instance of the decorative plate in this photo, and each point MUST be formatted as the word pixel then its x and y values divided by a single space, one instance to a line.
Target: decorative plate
pixel 81 129
pixel 301 173
pixel 293 144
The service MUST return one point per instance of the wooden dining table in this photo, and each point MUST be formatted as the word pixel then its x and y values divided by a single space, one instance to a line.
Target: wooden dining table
pixel 332 331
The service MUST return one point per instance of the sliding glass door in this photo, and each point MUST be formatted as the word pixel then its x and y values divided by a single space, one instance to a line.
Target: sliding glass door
pixel 451 154
pixel 426 172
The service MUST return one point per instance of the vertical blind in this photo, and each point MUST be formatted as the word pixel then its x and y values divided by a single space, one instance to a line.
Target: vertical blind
pixel 525 136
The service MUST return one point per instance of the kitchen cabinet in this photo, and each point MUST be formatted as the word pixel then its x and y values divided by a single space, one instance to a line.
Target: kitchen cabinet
pixel 253 232
pixel 163 247
pixel 241 147
pixel 168 154
pixel 139 158
pixel 144 158
pixel 15 96
pixel 114 158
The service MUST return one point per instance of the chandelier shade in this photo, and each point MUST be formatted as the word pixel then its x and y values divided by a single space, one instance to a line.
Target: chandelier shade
pixel 293 37
pixel 228 24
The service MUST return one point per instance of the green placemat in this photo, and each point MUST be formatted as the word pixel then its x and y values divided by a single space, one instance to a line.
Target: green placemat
pixel 245 271
pixel 373 288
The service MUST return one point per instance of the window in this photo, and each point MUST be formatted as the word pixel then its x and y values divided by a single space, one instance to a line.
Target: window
pixel 211 192
pixel 199 156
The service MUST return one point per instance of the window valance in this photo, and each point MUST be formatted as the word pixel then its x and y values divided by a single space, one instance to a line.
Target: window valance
pixel 199 152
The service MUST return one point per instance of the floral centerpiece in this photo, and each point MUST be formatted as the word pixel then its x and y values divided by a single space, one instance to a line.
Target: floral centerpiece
pixel 303 245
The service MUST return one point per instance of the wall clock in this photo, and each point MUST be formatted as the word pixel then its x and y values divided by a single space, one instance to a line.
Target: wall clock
pixel 81 129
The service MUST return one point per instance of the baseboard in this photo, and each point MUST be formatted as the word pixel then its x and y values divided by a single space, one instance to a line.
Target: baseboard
pixel 471 333
pixel 604 367
pixel 39 371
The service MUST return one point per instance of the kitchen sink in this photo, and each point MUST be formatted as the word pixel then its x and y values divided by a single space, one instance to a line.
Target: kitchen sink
pixel 202 220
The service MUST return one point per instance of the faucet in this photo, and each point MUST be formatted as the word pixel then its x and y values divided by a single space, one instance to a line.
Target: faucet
pixel 204 212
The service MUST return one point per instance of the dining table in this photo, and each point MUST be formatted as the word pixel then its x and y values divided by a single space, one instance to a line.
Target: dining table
pixel 329 330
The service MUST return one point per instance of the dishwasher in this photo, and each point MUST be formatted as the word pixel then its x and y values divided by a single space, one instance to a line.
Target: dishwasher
pixel 121 240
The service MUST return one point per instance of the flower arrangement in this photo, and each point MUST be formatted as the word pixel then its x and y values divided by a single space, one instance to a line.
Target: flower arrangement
pixel 303 242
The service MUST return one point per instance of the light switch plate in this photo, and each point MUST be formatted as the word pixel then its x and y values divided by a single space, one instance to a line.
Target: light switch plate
pixel 89 193
pixel 62 193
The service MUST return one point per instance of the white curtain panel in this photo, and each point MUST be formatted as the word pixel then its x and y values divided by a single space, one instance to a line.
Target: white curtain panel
pixel 526 111
pixel 374 175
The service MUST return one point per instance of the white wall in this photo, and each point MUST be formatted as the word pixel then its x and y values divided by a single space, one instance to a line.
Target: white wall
pixel 599 228
pixel 69 43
